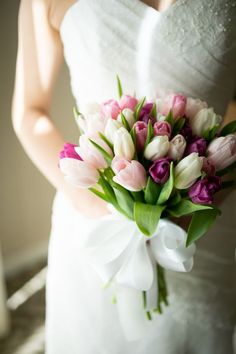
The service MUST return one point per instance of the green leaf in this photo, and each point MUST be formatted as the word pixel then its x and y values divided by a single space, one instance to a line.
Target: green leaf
pixel 229 128
pixel 178 125
pixel 210 133
pixel 138 108
pixel 167 188
pixel 133 135
pixel 152 191
pixel 137 196
pixel 100 194
pixel 175 199
pixel 104 138
pixel 104 153
pixel 119 86
pixel 76 112
pixel 125 201
pixel 124 121
pixel 108 172
pixel 201 222
pixel 153 112
pixel 150 133
pixel 108 190
pixel 185 207
pixel 169 118
pixel 147 217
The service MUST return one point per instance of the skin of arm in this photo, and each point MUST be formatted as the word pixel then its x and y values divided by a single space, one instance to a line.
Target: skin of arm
pixel 39 58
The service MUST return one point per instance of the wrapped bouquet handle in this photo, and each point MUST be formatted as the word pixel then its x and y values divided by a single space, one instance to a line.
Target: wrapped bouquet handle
pixel 121 253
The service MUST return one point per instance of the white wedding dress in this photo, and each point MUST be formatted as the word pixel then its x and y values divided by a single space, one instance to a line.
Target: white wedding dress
pixel 189 48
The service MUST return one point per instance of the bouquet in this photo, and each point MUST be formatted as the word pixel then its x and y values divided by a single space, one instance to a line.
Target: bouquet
pixel 152 162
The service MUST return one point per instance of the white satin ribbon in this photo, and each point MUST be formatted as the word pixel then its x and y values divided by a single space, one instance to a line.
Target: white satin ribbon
pixel 119 252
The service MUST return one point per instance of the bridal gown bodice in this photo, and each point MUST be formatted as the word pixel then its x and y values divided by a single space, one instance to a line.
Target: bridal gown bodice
pixel 189 48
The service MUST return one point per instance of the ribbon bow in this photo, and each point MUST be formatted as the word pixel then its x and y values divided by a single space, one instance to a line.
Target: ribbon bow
pixel 120 252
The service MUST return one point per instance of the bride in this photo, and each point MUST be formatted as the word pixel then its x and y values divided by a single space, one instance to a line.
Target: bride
pixel 188 46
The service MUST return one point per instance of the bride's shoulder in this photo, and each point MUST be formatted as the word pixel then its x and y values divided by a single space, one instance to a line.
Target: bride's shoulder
pixel 57 10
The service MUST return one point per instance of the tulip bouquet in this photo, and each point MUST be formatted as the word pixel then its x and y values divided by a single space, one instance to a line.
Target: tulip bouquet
pixel 151 161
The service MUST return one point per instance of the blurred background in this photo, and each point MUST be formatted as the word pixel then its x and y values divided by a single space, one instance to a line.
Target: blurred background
pixel 25 208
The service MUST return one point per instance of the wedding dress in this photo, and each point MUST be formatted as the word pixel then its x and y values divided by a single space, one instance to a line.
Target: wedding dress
pixel 188 48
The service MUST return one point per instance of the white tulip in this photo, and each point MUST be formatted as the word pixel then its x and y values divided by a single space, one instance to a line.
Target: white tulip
pixel 111 127
pixel 157 148
pixel 129 116
pixel 205 119
pixel 95 123
pixel 188 170
pixel 123 144
pixel 177 147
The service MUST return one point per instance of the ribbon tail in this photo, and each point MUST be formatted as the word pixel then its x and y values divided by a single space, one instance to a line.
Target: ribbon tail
pixel 131 312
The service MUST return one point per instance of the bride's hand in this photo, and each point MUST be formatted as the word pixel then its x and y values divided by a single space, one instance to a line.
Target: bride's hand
pixel 86 203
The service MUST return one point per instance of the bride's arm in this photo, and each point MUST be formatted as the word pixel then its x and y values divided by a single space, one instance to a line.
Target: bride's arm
pixel 39 59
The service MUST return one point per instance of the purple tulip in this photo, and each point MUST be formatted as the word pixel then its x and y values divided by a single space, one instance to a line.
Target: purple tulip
pixel 186 131
pixel 160 170
pixel 203 190
pixel 69 152
pixel 145 113
pixel 197 144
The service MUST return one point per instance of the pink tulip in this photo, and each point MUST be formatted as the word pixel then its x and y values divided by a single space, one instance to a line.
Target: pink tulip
pixel 129 174
pixel 69 151
pixel 176 103
pixel 193 106
pixel 140 128
pixel 119 163
pixel 127 101
pixel 110 109
pixel 90 154
pixel 222 151
pixel 162 128
pixel 78 172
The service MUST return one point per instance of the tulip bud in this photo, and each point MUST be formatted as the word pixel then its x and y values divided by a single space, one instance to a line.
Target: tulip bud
pixel 193 106
pixel 129 174
pixel 90 154
pixel 111 127
pixel 110 109
pixel 202 192
pixel 95 123
pixel 176 103
pixel 78 173
pixel 141 134
pixel 127 101
pixel 177 147
pixel 204 120
pixel 157 148
pixel 197 144
pixel 69 152
pixel 162 128
pixel 129 116
pixel 123 144
pixel 188 170
pixel 222 151
pixel 160 170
